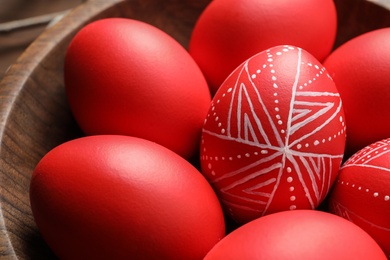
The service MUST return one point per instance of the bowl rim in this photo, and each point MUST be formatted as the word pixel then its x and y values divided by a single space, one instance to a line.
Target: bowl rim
pixel 17 75
pixel 26 63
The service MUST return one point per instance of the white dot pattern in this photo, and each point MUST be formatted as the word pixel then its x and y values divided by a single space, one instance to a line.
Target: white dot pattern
pixel 260 151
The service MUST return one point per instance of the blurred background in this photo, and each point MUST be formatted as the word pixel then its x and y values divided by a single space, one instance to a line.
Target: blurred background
pixel 21 21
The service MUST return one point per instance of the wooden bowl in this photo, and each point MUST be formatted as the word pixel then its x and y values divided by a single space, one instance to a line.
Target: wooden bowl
pixel 35 117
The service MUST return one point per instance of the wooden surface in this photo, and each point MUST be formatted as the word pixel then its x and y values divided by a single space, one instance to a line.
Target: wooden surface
pixel 19 13
pixel 34 115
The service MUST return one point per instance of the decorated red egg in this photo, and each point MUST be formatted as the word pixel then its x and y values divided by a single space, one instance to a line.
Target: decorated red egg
pixel 230 31
pixel 274 135
pixel 360 68
pixel 121 197
pixel 361 193
pixel 297 235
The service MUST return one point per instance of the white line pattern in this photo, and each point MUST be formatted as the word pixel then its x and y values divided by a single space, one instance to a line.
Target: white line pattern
pixel 284 143
pixel 362 181
pixel 348 214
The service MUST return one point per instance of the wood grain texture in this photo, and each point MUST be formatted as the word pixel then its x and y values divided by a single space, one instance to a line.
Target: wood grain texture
pixel 35 117
pixel 359 16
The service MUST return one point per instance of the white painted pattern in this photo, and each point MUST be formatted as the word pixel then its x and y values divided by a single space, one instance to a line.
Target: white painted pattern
pixel 374 156
pixel 367 155
pixel 348 214
pixel 286 149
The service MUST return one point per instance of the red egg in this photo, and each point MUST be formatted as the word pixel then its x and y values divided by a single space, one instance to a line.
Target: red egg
pixel 121 197
pixel 297 235
pixel 362 192
pixel 127 77
pixel 274 136
pixel 360 68
pixel 229 31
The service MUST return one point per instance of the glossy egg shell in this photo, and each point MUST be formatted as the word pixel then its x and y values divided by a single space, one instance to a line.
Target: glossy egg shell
pixel 127 77
pixel 360 68
pixel 120 197
pixel 229 31
pixel 274 136
pixel 297 235
pixel 361 193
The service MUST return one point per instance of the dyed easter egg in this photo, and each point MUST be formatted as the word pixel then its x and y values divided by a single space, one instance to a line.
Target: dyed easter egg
pixel 124 76
pixel 122 197
pixel 361 193
pixel 297 235
pixel 360 68
pixel 230 31
pixel 274 135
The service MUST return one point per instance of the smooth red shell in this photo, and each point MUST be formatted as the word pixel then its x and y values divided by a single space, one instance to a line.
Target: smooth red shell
pixel 274 136
pixel 360 68
pixel 229 31
pixel 297 235
pixel 362 192
pixel 127 77
pixel 121 197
